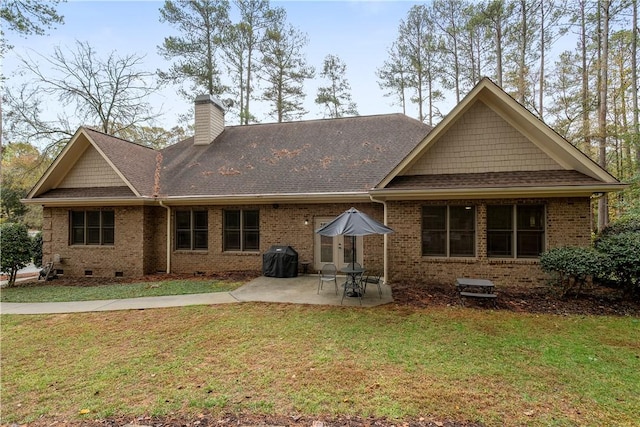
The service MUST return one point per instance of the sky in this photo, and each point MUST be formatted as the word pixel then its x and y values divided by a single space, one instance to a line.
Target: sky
pixel 359 32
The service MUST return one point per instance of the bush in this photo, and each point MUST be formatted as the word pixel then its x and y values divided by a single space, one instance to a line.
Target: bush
pixel 624 225
pixel 15 245
pixel 623 250
pixel 36 249
pixel 574 266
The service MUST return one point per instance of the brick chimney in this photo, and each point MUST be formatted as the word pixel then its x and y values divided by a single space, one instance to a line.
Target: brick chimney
pixel 209 119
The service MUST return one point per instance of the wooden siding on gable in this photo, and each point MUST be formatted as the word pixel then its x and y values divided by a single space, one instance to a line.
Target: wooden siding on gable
pixel 482 141
pixel 91 170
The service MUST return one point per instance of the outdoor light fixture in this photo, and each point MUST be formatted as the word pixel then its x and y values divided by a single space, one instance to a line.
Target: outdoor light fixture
pixel 306 221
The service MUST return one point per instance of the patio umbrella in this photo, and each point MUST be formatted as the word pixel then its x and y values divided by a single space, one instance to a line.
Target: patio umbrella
pixel 353 223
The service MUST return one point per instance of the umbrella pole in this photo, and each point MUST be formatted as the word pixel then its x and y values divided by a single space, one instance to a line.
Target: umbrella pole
pixel 353 252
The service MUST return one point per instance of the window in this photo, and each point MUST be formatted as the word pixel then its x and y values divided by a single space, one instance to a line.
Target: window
pixel 92 228
pixel 192 229
pixel 515 231
pixel 448 231
pixel 241 230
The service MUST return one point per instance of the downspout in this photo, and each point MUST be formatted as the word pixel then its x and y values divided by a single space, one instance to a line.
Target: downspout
pixel 168 235
pixel 385 237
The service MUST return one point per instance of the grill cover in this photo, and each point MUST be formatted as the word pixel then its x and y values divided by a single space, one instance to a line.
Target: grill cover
pixel 280 261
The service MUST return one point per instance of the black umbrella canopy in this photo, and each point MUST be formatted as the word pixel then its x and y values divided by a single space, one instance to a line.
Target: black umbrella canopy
pixel 353 223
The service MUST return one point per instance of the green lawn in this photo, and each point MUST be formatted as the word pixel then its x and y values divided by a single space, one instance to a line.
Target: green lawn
pixel 55 293
pixel 493 367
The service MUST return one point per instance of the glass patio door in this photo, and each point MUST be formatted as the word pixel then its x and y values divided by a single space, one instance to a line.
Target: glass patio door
pixel 334 250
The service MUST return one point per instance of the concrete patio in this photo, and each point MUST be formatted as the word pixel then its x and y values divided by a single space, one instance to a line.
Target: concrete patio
pixel 303 290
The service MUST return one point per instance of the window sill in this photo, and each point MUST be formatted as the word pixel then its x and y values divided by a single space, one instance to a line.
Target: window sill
pixel 241 253
pixel 191 251
pixel 78 246
pixel 530 261
pixel 468 260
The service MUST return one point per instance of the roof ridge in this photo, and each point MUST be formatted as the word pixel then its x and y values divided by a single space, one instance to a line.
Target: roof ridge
pixel 116 137
pixel 321 120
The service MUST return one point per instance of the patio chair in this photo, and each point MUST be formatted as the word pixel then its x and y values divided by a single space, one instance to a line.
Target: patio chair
pixel 328 274
pixel 373 279
pixel 47 272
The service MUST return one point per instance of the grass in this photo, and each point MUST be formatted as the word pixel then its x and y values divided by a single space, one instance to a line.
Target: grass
pixel 492 367
pixel 56 293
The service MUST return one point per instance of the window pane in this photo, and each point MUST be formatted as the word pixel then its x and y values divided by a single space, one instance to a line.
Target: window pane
pixel 326 248
pixel 232 220
pixel 231 240
pixel 93 219
pixel 499 243
pixel 434 231
pixel 200 239
pixel 530 217
pixel 251 241
pixel 183 239
pixel 108 219
pixel 77 236
pixel 530 231
pixel 462 235
pixel 77 219
pixel 200 220
pixel 500 217
pixel 434 218
pixel 434 243
pixel 93 236
pixel 251 220
pixel 530 244
pixel 500 231
pixel 77 228
pixel 183 220
pixel 108 236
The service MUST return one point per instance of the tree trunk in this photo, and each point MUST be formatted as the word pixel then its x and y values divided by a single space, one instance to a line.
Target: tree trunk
pixel 634 83
pixel 603 12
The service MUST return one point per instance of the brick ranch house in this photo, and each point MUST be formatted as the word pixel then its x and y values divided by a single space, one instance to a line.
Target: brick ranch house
pixel 482 194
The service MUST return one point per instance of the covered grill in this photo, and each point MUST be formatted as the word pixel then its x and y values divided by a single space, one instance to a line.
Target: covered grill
pixel 280 261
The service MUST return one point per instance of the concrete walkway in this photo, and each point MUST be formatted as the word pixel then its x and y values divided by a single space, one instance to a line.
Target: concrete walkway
pixel 297 290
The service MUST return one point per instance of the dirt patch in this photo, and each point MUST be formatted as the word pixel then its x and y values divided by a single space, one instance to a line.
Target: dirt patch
pixel 541 299
pixel 204 420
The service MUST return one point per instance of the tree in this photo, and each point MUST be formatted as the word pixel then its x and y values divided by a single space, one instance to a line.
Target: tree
pixel 496 16
pixel 22 164
pixel 284 71
pixel 243 44
pixel 27 17
pixel 110 94
pixel 336 96
pixel 201 24
pixel 16 249
pixel 449 17
pixel 393 75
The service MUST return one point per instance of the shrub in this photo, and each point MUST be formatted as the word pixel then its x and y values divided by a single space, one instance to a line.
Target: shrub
pixel 15 245
pixel 36 249
pixel 574 266
pixel 623 250
pixel 624 225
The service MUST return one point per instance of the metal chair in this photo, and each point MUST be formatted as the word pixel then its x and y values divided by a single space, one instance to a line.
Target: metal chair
pixel 374 280
pixel 328 274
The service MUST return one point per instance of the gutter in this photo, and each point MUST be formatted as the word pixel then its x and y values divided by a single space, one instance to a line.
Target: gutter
pixel 385 257
pixel 168 235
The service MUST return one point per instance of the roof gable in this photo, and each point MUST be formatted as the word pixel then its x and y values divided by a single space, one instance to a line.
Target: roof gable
pixel 529 134
pixel 93 159
pixel 478 141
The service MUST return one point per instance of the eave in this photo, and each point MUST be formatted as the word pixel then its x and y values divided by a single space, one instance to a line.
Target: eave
pixel 495 192
pixel 292 198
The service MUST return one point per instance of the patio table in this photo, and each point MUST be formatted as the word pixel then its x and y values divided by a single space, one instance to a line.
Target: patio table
pixel 352 285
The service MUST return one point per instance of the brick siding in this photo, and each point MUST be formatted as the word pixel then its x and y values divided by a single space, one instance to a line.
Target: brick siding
pixel 140 239
pixel 567 223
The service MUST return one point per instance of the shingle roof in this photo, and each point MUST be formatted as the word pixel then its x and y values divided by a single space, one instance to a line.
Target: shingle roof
pixel 319 156
pixel 547 178
pixel 137 163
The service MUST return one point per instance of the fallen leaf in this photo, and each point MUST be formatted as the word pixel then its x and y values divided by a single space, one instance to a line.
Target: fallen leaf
pixel 84 411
